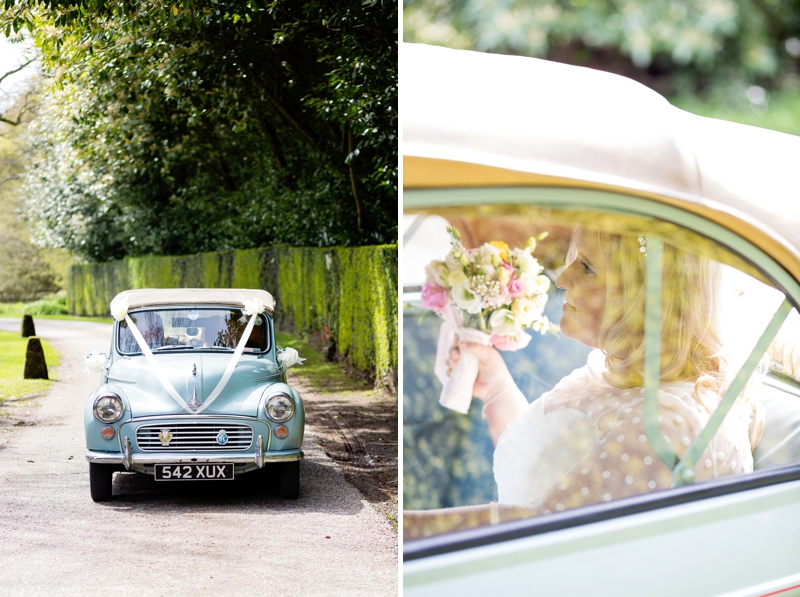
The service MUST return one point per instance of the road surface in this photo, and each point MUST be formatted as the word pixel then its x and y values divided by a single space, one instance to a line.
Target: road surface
pixel 171 539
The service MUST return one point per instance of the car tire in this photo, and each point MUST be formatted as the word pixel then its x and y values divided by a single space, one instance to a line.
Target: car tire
pixel 101 477
pixel 289 479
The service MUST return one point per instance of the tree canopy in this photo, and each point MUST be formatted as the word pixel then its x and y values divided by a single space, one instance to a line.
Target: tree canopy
pixel 695 46
pixel 212 124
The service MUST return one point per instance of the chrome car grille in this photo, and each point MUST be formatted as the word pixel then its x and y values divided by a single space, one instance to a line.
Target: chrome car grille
pixel 175 437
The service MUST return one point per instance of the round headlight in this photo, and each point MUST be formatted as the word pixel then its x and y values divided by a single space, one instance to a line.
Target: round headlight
pixel 108 408
pixel 280 408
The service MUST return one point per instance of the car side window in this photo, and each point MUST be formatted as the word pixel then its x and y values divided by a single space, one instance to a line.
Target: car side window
pixel 605 356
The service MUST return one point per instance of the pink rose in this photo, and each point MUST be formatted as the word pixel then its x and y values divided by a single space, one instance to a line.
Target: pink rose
pixel 510 343
pixel 435 297
pixel 516 288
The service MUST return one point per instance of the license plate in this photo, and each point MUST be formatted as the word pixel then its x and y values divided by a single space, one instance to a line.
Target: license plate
pixel 194 472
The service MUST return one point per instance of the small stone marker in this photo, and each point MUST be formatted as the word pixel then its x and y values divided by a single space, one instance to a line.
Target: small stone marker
pixel 27 326
pixel 35 365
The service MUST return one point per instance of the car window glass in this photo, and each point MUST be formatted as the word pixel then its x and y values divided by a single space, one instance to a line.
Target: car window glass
pixel 575 352
pixel 165 329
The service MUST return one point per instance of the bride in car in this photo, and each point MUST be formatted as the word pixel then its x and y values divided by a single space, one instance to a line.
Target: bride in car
pixel 584 441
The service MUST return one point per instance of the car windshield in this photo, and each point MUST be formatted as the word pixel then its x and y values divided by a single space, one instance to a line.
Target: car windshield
pixel 192 329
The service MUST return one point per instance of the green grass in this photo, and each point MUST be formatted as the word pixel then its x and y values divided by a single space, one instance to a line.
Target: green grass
pixel 12 357
pixel 73 318
pixel 11 309
pixel 782 114
pixel 18 309
pixel 317 371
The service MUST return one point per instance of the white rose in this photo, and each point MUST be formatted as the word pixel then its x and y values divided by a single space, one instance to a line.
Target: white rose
pixel 526 311
pixel 465 298
pixel 452 263
pixel 542 284
pixel 489 255
pixel 455 276
pixel 438 271
pixel 526 263
pixel 288 357
pixel 541 326
pixel 529 282
pixel 504 275
pixel 504 323
pixel 489 271
pixel 540 300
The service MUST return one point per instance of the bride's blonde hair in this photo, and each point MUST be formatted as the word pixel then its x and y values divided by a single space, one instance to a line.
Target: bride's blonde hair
pixel 691 342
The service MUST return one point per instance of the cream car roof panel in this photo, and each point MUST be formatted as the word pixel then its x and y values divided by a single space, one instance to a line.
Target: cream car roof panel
pixel 156 297
pixel 594 127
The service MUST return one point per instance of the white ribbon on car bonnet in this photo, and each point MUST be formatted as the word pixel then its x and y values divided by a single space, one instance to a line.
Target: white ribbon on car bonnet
pixel 119 310
pixel 253 308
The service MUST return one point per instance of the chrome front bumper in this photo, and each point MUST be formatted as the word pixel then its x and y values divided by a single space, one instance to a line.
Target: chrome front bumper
pixel 128 458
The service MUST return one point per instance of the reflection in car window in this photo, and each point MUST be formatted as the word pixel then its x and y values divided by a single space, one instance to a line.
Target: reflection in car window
pixel 559 418
pixel 166 329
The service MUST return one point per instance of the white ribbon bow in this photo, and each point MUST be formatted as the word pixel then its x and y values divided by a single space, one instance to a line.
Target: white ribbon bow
pixel 457 387
pixel 288 357
pixel 96 362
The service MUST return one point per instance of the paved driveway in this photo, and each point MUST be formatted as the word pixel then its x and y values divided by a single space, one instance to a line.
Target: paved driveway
pixel 171 539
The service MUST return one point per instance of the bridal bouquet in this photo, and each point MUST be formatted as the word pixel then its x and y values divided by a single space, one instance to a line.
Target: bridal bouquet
pixel 490 295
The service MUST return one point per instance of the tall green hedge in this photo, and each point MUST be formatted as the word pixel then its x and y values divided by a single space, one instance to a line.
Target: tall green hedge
pixel 345 295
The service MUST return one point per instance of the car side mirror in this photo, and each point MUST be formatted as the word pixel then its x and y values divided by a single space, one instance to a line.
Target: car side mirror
pixel 97 362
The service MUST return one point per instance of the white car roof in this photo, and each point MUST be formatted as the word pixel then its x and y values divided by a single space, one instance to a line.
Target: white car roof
pixel 545 118
pixel 157 297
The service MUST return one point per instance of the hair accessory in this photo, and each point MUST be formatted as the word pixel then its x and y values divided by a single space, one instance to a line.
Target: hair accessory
pixel 642 245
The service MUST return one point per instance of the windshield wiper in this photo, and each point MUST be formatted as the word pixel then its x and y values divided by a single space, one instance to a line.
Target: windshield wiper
pixel 216 348
pixel 175 347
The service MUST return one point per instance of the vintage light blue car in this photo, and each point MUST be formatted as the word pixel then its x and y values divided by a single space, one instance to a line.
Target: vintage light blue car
pixel 194 388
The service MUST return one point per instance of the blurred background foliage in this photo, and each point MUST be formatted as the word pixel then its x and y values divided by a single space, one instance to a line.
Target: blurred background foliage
pixel 26 271
pixel 732 59
pixel 207 125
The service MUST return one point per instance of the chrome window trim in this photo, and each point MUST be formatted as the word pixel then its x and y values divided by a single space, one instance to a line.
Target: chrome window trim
pixel 120 379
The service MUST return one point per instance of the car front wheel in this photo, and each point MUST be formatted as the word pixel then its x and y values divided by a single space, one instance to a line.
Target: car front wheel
pixel 289 481
pixel 100 481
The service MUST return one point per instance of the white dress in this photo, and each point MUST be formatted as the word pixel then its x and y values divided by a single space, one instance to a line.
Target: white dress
pixel 583 442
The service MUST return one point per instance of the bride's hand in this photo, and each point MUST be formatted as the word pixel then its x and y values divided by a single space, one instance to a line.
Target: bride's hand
pixel 493 374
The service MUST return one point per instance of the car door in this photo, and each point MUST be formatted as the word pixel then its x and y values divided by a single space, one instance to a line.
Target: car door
pixel 732 534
